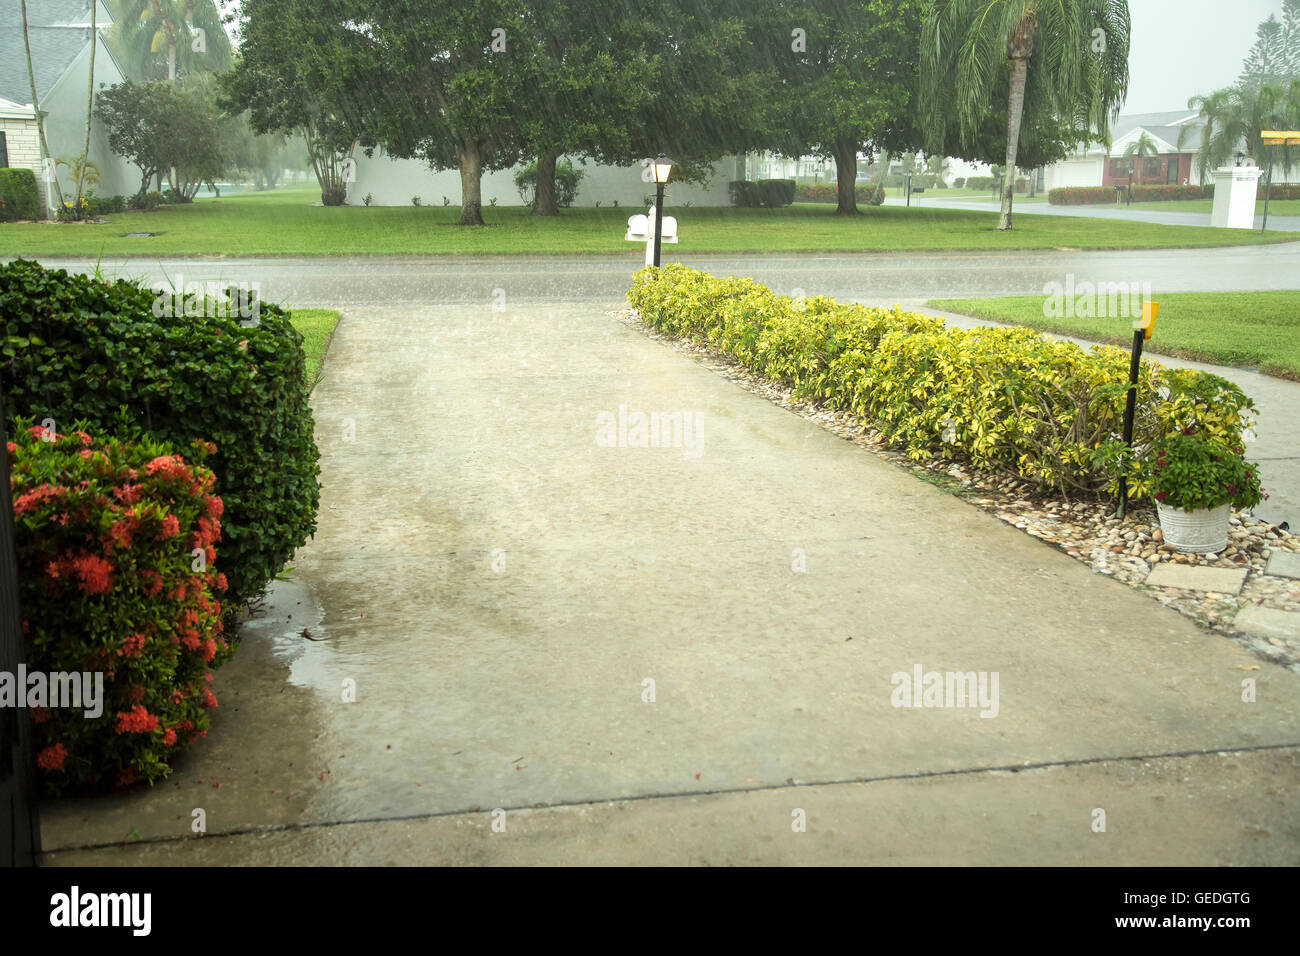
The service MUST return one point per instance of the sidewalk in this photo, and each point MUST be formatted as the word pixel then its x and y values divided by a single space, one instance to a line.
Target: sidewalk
pixel 1133 213
pixel 500 585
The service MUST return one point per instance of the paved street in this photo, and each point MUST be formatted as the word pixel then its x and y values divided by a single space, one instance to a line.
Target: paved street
pixel 877 279
pixel 692 653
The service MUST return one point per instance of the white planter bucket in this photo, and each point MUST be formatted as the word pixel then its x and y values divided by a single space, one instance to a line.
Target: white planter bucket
pixel 1195 532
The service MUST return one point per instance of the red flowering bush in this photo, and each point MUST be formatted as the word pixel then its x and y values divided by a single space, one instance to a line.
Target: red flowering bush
pixel 117 558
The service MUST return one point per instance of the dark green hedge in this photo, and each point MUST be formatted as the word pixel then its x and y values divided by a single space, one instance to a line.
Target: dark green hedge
pixel 771 193
pixel 18 196
pixel 74 347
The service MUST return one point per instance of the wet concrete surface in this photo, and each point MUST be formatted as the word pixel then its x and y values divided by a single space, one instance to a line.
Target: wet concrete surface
pixel 496 584
pixel 521 280
pixel 934 199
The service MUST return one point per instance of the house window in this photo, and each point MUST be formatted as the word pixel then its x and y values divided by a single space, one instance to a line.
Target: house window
pixel 1118 168
pixel 4 152
pixel 1172 176
pixel 1151 167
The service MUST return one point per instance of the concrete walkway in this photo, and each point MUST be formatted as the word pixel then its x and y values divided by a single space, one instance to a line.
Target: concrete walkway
pixel 674 654
pixel 1134 213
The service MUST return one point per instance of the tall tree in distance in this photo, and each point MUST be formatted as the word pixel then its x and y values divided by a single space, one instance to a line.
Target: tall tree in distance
pixel 845 81
pixel 167 39
pixel 90 109
pixel 1082 44
pixel 1275 55
pixel 36 108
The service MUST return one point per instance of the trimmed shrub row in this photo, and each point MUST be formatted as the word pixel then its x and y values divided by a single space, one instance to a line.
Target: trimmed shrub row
pixel 1007 400
pixel 771 193
pixel 79 348
pixel 872 195
pixel 18 196
pixel 1076 196
pixel 118 584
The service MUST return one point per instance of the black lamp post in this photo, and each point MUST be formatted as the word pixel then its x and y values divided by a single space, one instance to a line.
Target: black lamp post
pixel 663 167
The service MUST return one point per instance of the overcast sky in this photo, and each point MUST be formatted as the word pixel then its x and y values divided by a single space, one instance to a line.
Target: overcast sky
pixel 1183 48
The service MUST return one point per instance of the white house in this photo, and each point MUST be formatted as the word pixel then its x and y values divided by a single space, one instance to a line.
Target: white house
pixel 60 38
pixel 396 182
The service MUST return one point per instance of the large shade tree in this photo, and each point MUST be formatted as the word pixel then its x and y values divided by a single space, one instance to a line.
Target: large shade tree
pixel 287 77
pixel 845 80
pixel 1081 45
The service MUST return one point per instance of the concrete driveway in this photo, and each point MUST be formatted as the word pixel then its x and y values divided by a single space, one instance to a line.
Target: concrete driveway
pixel 525 634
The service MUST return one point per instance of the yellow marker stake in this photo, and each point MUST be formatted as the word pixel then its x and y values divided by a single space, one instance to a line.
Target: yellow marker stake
pixel 1148 321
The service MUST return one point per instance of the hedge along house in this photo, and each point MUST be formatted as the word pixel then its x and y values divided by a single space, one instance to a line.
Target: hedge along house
pixel 59 31
pixel 396 182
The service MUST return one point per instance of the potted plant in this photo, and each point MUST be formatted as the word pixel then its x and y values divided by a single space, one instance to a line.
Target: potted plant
pixel 1196 482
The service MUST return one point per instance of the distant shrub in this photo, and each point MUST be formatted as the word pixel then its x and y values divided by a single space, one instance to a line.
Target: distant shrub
pixel 19 198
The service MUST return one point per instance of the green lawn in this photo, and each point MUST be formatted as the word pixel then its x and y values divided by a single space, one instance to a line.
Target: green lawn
pixel 285 222
pixel 317 328
pixel 1248 329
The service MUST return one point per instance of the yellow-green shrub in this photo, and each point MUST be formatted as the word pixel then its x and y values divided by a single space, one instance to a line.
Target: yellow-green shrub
pixel 1007 400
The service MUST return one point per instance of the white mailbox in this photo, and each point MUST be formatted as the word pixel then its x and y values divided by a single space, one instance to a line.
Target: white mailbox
pixel 642 229
pixel 638 227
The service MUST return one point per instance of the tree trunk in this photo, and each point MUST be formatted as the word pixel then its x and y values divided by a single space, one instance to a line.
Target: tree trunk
pixel 1015 109
pixel 544 203
pixel 471 183
pixel 36 108
pixel 90 105
pixel 846 177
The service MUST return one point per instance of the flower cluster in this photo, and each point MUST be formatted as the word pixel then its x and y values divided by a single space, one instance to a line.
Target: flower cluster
pixel 110 582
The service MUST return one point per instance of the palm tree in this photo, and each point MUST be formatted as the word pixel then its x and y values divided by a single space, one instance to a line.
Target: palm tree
pixel 90 106
pixel 1141 148
pixel 1234 117
pixel 36 108
pixel 158 39
pixel 1080 48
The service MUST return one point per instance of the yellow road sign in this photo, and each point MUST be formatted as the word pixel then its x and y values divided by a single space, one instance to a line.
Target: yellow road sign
pixel 1277 137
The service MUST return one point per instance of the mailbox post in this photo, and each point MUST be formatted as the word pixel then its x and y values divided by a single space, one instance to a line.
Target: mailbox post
pixel 642 229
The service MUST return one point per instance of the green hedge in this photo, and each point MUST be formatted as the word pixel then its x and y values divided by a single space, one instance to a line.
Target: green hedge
pixel 19 198
pixel 1003 399
pixel 1086 195
pixel 76 347
pixel 771 193
pixel 872 195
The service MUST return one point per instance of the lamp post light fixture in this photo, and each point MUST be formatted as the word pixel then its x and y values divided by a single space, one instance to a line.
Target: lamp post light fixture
pixel 663 168
pixel 1240 157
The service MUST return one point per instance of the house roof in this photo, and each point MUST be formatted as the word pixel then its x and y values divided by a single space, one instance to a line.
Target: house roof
pixel 1165 128
pixel 58 29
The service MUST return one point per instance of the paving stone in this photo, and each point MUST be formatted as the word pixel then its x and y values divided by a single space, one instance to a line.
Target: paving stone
pixel 1269 622
pixel 1285 564
pixel 1222 580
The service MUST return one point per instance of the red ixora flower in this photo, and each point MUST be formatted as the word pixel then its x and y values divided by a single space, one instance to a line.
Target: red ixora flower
pixel 1232 489
pixel 138 721
pixel 1161 496
pixel 51 758
pixel 94 573
pixel 1189 430
pixel 170 527
pixel 169 737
